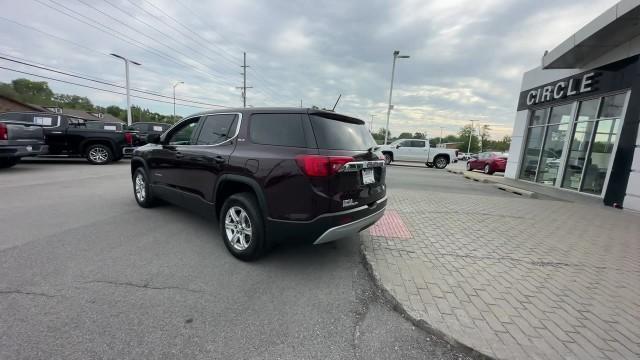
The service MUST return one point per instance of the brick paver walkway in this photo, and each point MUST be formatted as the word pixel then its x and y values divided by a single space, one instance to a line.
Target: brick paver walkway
pixel 514 278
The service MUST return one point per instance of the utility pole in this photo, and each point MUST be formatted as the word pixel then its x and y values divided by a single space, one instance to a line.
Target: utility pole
pixel 441 128
pixel 470 136
pixel 244 86
pixel 300 103
pixel 396 55
pixel 174 97
pixel 126 70
pixel 371 123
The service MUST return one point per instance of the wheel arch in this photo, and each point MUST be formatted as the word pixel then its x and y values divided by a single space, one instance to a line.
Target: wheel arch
pixel 137 162
pixel 388 152
pixel 229 184
pixel 85 144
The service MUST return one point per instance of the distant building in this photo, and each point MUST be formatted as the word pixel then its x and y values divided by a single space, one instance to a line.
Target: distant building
pixel 9 104
pixel 576 127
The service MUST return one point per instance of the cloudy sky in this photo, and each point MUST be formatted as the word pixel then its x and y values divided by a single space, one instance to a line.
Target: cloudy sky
pixel 467 56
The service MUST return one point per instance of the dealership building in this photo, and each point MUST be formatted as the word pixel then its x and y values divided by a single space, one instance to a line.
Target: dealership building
pixel 576 127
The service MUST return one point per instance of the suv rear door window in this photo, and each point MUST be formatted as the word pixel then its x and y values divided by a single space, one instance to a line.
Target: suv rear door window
pixel 217 129
pixel 277 129
pixel 341 135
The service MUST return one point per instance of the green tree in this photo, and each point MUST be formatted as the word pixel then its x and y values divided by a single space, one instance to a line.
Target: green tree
pixel 467 132
pixel 405 135
pixel 484 136
pixel 419 135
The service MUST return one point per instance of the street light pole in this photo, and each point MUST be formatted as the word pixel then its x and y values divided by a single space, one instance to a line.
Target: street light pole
pixel 174 97
pixel 441 128
pixel 371 123
pixel 126 70
pixel 396 55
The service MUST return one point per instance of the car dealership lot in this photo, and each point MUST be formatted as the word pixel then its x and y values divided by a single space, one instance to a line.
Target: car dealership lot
pixel 86 273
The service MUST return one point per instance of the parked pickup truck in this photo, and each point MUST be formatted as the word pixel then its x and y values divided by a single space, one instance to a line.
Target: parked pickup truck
pixel 66 135
pixel 17 140
pixel 418 150
pixel 144 129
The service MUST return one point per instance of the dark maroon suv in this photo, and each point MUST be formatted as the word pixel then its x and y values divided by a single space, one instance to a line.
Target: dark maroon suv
pixel 268 175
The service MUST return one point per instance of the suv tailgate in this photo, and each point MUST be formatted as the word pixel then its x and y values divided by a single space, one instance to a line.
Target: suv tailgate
pixel 360 180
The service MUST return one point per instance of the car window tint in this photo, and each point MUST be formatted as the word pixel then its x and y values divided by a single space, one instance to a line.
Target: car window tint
pixel 417 143
pixel 277 129
pixel 216 129
pixel 335 134
pixel 181 135
pixel 140 127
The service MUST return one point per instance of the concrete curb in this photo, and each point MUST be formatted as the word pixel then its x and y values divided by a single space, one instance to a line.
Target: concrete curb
pixel 514 190
pixel 475 177
pixel 455 171
pixel 417 322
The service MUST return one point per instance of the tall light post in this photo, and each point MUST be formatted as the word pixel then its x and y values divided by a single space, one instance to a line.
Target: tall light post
pixel 441 128
pixel 371 123
pixel 126 70
pixel 174 97
pixel 396 55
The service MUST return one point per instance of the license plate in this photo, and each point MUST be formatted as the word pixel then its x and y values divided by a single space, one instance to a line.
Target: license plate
pixel 367 176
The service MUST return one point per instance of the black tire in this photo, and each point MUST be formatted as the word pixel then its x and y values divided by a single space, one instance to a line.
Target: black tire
pixel 142 192
pixel 468 166
pixel 8 162
pixel 99 154
pixel 487 169
pixel 440 162
pixel 242 204
pixel 388 158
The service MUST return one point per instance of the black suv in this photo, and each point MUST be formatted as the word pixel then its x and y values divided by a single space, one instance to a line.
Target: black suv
pixel 268 174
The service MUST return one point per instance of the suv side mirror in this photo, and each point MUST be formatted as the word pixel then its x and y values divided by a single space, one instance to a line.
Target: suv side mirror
pixel 153 138
pixel 398 146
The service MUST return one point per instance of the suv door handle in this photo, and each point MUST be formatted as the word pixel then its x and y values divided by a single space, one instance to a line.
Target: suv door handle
pixel 179 154
pixel 219 159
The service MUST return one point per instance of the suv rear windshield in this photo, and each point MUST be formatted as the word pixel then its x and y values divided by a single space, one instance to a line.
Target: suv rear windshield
pixel 340 135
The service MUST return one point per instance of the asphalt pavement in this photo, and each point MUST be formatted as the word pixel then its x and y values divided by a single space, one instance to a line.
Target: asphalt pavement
pixel 87 274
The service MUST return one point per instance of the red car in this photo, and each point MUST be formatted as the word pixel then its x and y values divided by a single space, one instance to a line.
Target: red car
pixel 488 162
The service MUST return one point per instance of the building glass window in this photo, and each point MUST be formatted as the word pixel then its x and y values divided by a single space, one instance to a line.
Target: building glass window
pixel 592 144
pixel 556 134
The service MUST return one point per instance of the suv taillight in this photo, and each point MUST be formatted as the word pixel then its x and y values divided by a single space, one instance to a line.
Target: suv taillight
pixel 128 137
pixel 4 132
pixel 319 165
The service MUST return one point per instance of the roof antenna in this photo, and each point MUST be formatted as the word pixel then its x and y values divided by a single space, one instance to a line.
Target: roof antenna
pixel 336 104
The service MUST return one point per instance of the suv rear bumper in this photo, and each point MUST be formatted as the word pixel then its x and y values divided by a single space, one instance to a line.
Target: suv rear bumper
pixel 342 231
pixel 327 227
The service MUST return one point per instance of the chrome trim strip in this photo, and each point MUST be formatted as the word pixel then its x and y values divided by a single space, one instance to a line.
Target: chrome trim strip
pixel 339 232
pixel 359 165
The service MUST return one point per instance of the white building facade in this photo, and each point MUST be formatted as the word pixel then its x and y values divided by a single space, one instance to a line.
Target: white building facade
pixel 576 126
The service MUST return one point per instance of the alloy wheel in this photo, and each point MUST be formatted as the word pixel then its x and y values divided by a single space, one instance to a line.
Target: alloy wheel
pixel 238 227
pixel 441 163
pixel 98 154
pixel 487 169
pixel 141 193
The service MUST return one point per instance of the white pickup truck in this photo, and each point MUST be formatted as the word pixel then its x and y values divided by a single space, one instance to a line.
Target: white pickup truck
pixel 418 150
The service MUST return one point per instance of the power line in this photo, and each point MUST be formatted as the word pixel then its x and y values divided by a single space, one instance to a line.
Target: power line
pixel 54 36
pixel 206 42
pixel 147 36
pixel 155 17
pixel 103 82
pixel 233 59
pixel 105 90
pixel 121 36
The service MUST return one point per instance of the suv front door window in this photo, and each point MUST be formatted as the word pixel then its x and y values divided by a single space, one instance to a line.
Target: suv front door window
pixel 164 159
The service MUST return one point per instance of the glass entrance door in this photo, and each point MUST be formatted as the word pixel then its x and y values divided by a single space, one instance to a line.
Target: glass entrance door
pixel 592 144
